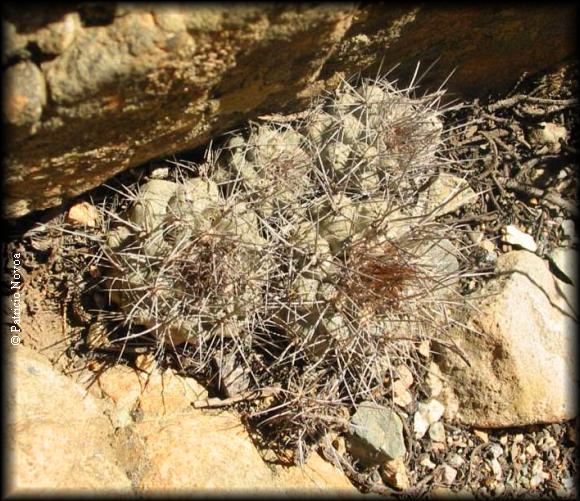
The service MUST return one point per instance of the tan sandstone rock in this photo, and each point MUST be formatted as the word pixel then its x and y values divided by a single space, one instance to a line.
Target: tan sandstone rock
pixel 58 437
pixel 167 445
pixel 523 361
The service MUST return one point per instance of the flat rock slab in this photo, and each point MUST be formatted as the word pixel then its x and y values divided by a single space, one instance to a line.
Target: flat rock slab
pixel 523 358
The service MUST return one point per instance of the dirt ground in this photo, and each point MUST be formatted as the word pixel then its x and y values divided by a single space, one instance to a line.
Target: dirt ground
pixel 525 182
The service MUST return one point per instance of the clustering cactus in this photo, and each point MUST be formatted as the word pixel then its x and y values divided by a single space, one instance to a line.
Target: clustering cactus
pixel 298 251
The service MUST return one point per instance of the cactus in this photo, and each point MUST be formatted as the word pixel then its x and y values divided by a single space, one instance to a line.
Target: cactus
pixel 297 250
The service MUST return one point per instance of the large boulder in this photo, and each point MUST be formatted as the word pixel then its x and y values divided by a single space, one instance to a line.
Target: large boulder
pixel 167 445
pixel 59 440
pixel 91 90
pixel 522 350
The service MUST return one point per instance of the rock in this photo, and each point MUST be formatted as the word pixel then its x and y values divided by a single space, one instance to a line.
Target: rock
pixel 145 81
pixel 56 37
pixel 24 94
pixel 449 474
pixel 420 425
pixel 565 260
pixel 515 379
pixel 446 194
pixel 213 452
pixel 475 236
pixel 482 435
pixel 376 433
pixel 517 237
pixel 427 413
pixel 394 473
pixel 59 438
pixel 316 477
pixel 495 450
pixel 165 444
pixel 426 462
pixel 147 395
pixel 434 379
pixel 83 214
pixel 402 396
pixel 404 375
pixel 437 432
pixel 455 460
pixel 568 228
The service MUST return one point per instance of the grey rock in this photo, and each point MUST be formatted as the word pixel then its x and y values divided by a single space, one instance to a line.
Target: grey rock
pixel 24 94
pixel 566 260
pixel 377 433
pixel 56 37
pixel 568 228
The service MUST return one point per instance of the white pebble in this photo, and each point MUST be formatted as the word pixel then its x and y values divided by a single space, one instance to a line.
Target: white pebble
pixel 517 237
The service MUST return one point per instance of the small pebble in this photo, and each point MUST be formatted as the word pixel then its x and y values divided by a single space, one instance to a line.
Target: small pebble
pixel 437 432
pixel 495 450
pixel 455 460
pixel 496 468
pixel 475 236
pixel 514 236
pixel 531 450
pixel 404 375
pixel 482 435
pixel 394 473
pixel 426 462
pixel 449 474
pixel 83 214
pixel 427 413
